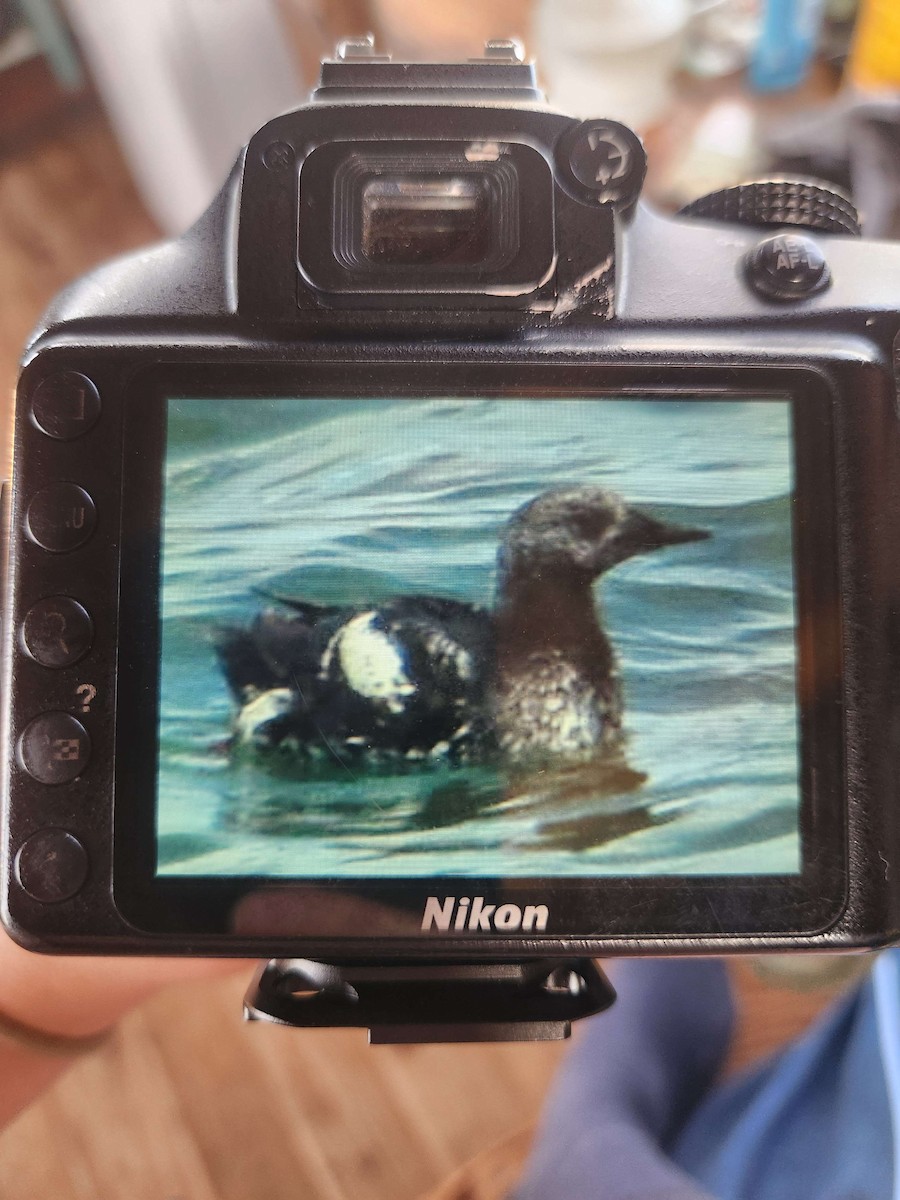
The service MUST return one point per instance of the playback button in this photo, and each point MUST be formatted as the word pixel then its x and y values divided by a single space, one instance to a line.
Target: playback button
pixel 65 405
pixel 54 748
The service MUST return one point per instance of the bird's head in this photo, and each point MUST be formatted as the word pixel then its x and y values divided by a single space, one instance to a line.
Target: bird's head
pixel 582 532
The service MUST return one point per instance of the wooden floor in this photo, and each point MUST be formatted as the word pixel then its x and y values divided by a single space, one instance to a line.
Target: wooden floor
pixel 66 203
pixel 187 1103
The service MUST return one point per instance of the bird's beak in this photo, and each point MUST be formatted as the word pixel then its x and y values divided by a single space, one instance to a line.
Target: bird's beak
pixel 641 533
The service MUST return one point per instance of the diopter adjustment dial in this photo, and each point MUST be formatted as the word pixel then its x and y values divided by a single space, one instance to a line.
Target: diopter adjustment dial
pixel 804 202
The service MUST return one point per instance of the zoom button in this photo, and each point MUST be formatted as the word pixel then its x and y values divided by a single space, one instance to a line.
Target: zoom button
pixel 60 517
pixel 57 631
pixel 54 748
pixel 52 865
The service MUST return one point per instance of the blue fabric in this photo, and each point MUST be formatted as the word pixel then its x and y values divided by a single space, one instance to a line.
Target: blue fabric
pixel 635 1114
pixel 631 1075
pixel 813 1122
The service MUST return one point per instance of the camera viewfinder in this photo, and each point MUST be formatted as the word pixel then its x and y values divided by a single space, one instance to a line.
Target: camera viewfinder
pixel 426 220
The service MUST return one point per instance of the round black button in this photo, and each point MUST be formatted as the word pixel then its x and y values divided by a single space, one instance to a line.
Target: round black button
pixel 52 865
pixel 60 517
pixel 57 631
pixel 605 161
pixel 54 747
pixel 787 267
pixel 65 405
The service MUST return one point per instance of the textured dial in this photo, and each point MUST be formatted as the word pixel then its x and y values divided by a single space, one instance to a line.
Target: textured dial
pixel 803 202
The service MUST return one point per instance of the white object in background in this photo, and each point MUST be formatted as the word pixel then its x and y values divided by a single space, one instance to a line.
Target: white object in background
pixel 723 150
pixel 610 58
pixel 186 83
pixel 721 36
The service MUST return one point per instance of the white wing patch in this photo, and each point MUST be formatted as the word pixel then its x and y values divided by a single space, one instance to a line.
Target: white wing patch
pixel 256 713
pixel 448 653
pixel 371 663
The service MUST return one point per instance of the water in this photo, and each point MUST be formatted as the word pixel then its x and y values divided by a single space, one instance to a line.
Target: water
pixel 348 502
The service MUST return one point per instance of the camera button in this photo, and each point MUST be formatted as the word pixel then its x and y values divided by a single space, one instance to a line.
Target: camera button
pixel 57 631
pixel 54 748
pixel 51 865
pixel 788 266
pixel 65 405
pixel 60 517
pixel 605 160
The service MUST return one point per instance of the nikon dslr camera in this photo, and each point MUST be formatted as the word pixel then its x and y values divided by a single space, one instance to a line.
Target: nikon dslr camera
pixel 435 556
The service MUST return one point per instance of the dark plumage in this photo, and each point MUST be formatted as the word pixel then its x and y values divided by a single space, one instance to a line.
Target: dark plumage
pixel 404 679
pixel 425 677
pixel 556 689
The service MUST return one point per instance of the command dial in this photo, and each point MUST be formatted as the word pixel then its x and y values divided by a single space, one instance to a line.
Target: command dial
pixel 804 202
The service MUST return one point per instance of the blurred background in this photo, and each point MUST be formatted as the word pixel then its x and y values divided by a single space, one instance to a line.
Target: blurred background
pixel 118 121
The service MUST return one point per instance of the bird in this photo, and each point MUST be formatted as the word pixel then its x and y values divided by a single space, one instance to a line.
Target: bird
pixel 423 678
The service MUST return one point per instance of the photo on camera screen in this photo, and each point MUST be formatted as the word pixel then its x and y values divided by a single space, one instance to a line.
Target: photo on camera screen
pixel 493 637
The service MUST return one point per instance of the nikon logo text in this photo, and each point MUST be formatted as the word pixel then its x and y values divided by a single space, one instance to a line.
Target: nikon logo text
pixel 465 914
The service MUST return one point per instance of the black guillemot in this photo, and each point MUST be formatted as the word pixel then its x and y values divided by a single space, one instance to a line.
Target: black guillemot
pixel 427 678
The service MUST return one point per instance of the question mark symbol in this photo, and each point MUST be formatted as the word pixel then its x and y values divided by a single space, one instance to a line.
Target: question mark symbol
pixel 88 694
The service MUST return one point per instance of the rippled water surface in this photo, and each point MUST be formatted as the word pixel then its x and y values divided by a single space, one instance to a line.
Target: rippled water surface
pixel 356 501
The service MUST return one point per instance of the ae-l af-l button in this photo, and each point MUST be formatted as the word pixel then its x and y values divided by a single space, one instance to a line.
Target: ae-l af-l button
pixel 60 517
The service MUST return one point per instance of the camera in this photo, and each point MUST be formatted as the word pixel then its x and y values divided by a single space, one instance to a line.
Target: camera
pixel 437 556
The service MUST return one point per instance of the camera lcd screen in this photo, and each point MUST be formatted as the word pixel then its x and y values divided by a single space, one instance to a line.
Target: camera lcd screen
pixel 478 637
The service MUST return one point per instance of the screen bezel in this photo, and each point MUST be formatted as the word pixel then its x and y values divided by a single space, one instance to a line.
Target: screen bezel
pixel 583 909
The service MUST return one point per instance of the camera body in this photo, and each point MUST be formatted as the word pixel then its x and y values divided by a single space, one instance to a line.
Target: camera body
pixel 391 408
